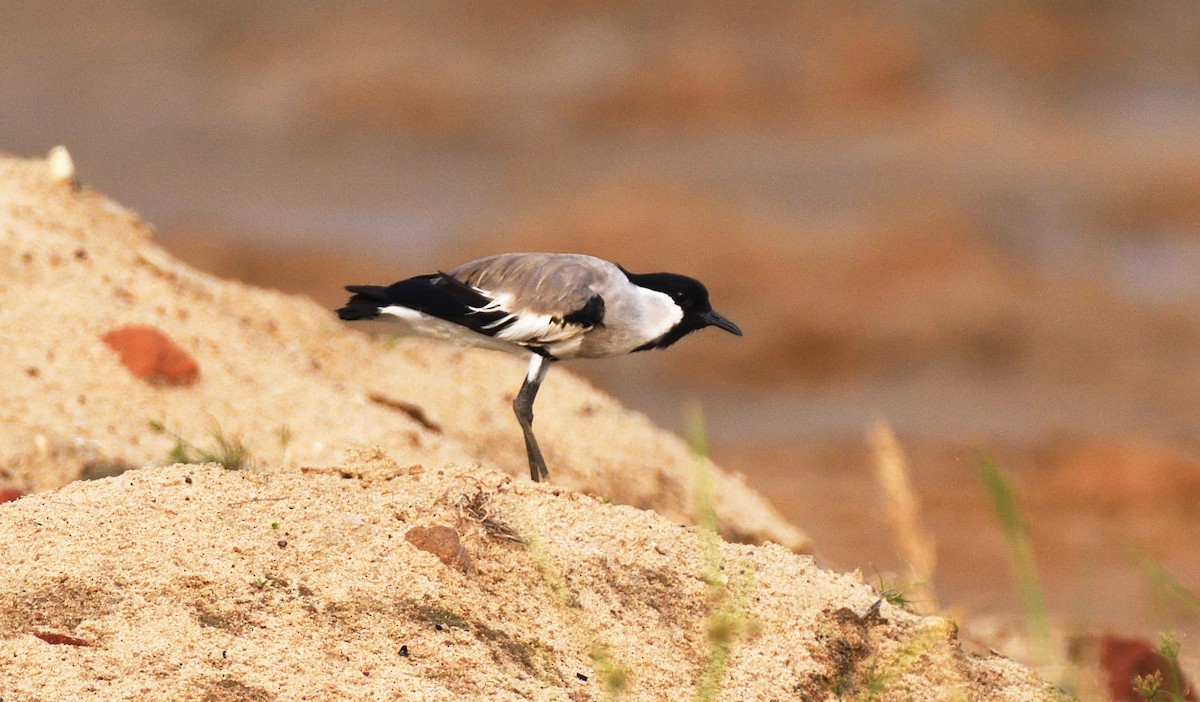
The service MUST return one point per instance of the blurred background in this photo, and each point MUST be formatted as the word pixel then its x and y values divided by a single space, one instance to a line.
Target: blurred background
pixel 977 221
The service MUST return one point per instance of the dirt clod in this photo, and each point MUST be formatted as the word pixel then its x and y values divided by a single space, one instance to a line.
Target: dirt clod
pixel 443 542
pixel 151 356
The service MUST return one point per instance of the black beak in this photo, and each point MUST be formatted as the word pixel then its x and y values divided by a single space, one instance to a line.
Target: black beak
pixel 712 319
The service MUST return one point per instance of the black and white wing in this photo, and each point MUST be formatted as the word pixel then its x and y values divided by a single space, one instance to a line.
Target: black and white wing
pixel 544 302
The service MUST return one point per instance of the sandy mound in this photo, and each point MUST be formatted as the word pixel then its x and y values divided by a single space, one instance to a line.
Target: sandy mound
pixel 195 582
pixel 326 570
pixel 278 374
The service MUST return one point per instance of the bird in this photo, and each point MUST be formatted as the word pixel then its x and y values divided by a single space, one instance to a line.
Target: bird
pixel 551 306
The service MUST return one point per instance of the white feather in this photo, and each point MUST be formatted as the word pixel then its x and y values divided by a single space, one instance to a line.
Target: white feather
pixel 659 313
pixel 428 325
pixel 536 329
pixel 524 327
pixel 496 303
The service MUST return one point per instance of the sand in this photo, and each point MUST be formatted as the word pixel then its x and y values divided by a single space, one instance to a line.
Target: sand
pixel 279 374
pixel 376 545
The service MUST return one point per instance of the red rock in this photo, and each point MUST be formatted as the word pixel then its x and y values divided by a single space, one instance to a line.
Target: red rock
pixel 151 356
pixel 10 494
pixel 60 639
pixel 443 542
pixel 1123 658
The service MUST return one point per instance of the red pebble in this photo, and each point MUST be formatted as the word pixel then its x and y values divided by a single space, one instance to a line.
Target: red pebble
pixel 10 494
pixel 151 356
pixel 60 639
pixel 443 542
pixel 1123 658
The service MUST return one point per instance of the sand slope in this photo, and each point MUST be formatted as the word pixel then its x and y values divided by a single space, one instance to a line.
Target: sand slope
pixel 194 582
pixel 278 373
pixel 366 554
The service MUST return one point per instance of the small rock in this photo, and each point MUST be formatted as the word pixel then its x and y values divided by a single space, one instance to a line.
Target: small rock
pixel 61 166
pixel 10 494
pixel 443 542
pixel 60 639
pixel 151 356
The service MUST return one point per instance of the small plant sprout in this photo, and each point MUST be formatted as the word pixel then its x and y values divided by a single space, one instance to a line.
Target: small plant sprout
pixel 703 496
pixel 726 621
pixel 1164 682
pixel 1147 686
pixel 228 452
pixel 614 677
pixel 1168 646
pixel 892 591
pixel 882 674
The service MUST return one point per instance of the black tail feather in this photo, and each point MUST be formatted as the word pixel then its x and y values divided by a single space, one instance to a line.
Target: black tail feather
pixel 364 303
pixel 438 295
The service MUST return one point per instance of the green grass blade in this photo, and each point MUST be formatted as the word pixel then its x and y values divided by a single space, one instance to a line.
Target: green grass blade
pixel 998 488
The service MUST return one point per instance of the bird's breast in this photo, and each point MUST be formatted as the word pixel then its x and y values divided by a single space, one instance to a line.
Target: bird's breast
pixel 632 319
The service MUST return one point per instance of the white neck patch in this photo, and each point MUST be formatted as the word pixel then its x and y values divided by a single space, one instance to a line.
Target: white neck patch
pixel 659 314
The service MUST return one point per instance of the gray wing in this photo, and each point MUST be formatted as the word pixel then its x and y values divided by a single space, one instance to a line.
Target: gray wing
pixel 546 299
pixel 541 283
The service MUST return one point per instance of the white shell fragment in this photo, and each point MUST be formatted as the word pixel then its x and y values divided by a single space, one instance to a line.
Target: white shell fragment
pixel 61 166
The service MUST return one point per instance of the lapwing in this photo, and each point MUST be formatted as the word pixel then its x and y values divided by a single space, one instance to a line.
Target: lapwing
pixel 550 306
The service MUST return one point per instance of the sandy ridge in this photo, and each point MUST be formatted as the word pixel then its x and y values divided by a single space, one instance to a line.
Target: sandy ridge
pixel 278 373
pixel 294 579
pixel 194 582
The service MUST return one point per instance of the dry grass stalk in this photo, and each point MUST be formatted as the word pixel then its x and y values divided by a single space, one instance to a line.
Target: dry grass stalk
pixel 903 510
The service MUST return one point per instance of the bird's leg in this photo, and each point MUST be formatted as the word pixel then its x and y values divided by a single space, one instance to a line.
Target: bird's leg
pixel 523 406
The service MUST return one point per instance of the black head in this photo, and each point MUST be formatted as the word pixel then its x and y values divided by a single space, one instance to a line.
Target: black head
pixel 691 296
